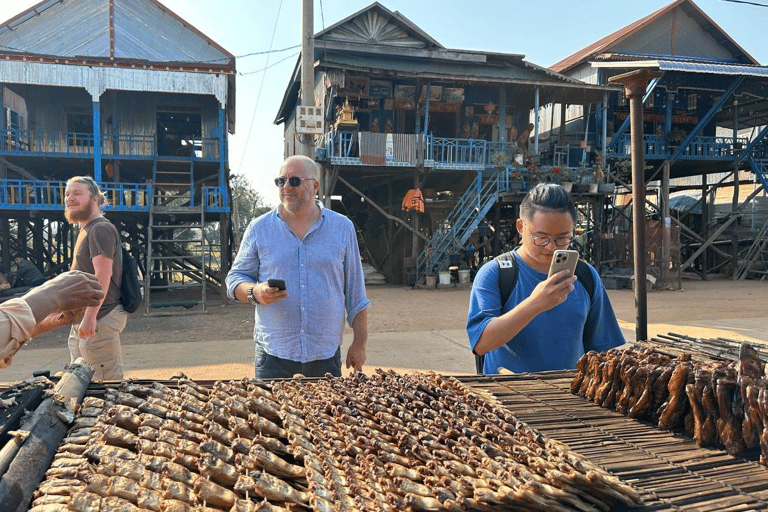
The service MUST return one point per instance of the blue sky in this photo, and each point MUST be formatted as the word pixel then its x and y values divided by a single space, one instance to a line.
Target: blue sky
pixel 544 31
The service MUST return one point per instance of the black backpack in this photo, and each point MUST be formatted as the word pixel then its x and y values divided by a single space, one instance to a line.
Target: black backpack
pixel 507 264
pixel 130 287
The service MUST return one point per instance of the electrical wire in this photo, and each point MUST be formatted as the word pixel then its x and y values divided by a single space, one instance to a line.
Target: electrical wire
pixel 269 66
pixel 261 87
pixel 746 2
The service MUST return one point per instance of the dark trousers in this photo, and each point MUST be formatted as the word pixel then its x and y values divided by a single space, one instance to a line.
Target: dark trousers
pixel 271 367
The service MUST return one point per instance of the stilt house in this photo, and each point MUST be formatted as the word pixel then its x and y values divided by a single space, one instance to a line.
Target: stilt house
pixel 705 120
pixel 129 93
pixel 427 148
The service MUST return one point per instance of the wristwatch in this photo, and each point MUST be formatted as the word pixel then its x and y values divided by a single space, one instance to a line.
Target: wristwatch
pixel 251 296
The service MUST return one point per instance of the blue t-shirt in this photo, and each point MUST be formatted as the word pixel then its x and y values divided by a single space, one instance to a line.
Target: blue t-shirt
pixel 556 338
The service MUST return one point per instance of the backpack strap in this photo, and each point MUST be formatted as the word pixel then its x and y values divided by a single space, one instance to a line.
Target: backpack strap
pixel 507 264
pixel 586 278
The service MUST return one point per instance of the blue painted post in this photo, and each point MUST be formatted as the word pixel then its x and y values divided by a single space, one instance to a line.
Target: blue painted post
pixel 502 116
pixel 668 115
pixel 479 188
pixel 96 142
pixel 536 122
pixel 426 113
pixel 223 158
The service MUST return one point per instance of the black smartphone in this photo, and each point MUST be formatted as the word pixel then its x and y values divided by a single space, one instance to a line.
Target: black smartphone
pixel 276 283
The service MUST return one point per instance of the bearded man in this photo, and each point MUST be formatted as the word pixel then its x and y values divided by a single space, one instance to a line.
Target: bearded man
pixel 96 337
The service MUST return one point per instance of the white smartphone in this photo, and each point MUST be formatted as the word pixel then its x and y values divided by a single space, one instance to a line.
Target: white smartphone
pixel 563 259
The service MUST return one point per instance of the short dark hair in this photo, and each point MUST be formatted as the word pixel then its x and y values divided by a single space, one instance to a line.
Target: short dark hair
pixel 544 198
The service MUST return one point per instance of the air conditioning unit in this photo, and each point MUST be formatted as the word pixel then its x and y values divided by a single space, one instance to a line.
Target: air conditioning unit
pixel 309 120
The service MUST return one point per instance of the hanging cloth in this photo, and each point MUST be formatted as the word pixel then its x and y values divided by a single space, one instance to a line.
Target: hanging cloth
pixel 413 200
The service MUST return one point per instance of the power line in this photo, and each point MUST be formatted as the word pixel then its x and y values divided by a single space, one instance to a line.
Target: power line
pixel 261 87
pixel 269 66
pixel 746 2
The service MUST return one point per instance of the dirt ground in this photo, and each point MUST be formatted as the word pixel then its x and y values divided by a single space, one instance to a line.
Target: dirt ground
pixel 704 309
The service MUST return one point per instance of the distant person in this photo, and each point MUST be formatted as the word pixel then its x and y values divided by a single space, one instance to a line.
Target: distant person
pixel 547 323
pixel 314 250
pixel 27 274
pixel 524 139
pixel 56 303
pixel 185 147
pixel 97 251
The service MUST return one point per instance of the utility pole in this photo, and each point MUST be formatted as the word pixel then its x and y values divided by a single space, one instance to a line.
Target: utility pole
pixel 305 146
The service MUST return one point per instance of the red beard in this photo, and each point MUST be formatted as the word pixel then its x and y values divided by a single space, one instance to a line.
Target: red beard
pixel 74 217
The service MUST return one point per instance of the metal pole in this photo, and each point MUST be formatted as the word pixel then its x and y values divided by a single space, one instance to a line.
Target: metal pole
pixel 635 83
pixel 605 126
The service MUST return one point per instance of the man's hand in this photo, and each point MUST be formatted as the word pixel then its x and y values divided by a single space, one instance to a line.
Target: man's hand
pixel 356 356
pixel 56 320
pixel 68 292
pixel 87 327
pixel 266 294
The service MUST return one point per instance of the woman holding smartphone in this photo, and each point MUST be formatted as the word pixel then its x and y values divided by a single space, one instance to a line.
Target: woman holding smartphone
pixel 548 321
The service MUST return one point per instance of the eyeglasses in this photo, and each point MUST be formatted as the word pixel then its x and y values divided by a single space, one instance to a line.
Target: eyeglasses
pixel 560 241
pixel 293 181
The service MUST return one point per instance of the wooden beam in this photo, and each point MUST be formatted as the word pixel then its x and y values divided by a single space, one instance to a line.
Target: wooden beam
pixel 381 210
pixel 711 239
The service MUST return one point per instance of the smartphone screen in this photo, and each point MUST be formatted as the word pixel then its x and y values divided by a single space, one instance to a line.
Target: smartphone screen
pixel 276 283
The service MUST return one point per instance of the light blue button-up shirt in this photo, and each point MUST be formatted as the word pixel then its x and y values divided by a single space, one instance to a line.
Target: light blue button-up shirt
pixel 323 276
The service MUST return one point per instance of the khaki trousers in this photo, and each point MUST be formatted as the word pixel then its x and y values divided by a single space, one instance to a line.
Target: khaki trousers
pixel 102 350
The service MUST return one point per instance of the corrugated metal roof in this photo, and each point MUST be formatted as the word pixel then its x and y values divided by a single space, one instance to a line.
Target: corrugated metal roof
pixel 608 41
pixel 687 66
pixel 143 30
pixel 711 68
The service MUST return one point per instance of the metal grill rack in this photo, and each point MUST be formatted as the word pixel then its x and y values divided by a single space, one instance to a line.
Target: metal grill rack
pixel 669 469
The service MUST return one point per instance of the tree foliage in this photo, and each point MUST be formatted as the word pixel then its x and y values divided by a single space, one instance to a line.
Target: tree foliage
pixel 247 204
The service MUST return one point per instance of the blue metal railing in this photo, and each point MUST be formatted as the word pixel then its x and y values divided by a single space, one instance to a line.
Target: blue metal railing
pixel 458 151
pixel 700 148
pixel 479 154
pixel 17 194
pixel 32 142
pixel 760 169
pixel 49 195
pixel 476 153
pixel 214 200
pixel 60 143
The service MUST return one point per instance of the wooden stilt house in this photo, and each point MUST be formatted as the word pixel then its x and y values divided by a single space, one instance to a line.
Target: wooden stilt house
pixel 705 121
pixel 428 148
pixel 129 93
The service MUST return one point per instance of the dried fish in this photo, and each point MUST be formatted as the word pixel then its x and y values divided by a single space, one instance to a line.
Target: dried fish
pixel 213 494
pixel 270 487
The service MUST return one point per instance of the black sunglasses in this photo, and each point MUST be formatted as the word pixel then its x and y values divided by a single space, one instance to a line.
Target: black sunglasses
pixel 293 181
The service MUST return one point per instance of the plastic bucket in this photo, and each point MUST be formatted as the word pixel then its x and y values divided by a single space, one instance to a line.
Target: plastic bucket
pixel 445 277
pixel 463 276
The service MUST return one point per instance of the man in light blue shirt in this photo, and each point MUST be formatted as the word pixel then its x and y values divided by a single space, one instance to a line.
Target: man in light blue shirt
pixel 299 330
